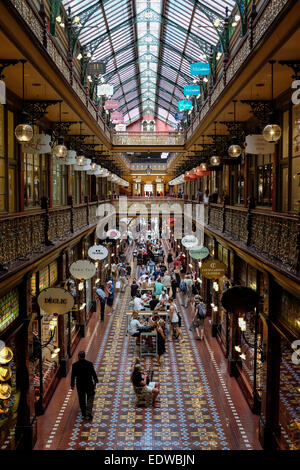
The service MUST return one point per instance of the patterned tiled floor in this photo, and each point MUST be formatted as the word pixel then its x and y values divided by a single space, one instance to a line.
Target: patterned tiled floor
pixel 200 407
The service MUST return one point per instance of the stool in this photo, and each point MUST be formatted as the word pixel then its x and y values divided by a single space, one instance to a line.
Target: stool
pixel 151 351
pixel 143 396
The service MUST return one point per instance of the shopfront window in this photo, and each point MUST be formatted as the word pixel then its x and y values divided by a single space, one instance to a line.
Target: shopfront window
pixel 264 180
pixel 289 398
pixel 59 193
pixel 9 309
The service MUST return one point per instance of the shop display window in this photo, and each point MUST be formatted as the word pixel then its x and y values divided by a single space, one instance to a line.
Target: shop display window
pixel 289 398
pixel 290 311
pixel 59 183
pixel 44 278
pixel 9 309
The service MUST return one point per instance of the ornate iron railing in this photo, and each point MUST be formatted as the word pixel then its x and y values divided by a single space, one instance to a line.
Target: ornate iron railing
pixel 148 138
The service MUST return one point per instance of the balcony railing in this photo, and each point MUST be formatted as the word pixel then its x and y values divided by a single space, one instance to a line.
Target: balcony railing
pixel 148 138
pixel 24 234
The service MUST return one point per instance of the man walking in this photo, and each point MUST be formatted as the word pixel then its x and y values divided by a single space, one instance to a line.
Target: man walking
pixel 102 297
pixel 188 293
pixel 83 373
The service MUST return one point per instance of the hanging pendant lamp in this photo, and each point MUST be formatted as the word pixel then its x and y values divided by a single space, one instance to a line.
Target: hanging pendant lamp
pixel 24 131
pixel 215 160
pixel 272 132
pixel 234 150
pixel 60 150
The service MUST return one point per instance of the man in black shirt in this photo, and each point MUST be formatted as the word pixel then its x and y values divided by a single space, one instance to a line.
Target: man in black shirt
pixel 153 302
pixel 83 373
pixel 134 287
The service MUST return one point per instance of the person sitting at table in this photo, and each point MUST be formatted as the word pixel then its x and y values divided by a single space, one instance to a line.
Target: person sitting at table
pixel 136 327
pixel 138 303
pixel 134 287
pixel 164 296
pixel 156 273
pixel 143 270
pixel 153 302
pixel 145 283
pixel 139 379
pixel 146 297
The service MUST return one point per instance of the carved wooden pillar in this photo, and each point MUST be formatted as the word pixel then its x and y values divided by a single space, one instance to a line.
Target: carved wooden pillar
pixel 43 15
pixel 275 172
pixel 268 421
pixel 45 206
pixel 86 200
pixel 245 180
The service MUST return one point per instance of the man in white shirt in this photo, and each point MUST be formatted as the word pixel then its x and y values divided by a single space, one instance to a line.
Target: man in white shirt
pixel 138 304
pixel 188 293
pixel 174 319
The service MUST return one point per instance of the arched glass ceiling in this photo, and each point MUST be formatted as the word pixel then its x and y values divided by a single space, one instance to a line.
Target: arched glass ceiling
pixel 148 46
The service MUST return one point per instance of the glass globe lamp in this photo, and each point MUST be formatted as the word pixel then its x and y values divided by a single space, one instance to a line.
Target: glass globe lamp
pixel 215 161
pixel 81 160
pixel 94 166
pixel 23 133
pixel 234 151
pixel 203 167
pixel 272 133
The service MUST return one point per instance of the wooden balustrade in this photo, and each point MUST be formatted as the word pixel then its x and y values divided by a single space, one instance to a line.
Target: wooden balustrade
pixel 25 233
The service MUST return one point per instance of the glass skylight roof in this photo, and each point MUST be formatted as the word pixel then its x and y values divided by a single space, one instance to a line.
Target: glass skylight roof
pixel 148 46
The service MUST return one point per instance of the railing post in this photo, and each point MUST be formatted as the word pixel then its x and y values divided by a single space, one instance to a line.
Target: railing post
pixel 43 15
pixel 70 203
pixel 251 205
pixel 45 206
pixel 252 17
pixel 223 214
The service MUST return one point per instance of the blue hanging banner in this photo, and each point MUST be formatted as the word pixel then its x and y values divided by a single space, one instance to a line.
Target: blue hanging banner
pixel 191 90
pixel 199 68
pixel 180 116
pixel 184 104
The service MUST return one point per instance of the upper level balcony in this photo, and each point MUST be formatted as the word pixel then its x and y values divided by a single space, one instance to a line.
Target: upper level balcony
pixel 148 138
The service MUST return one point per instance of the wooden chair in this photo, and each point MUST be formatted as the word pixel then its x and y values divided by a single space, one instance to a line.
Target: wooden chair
pixel 143 396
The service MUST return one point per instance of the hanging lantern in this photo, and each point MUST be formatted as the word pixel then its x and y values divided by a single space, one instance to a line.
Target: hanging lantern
pixel 23 133
pixel 203 167
pixel 272 133
pixel 234 151
pixel 81 160
pixel 60 150
pixel 94 166
pixel 215 161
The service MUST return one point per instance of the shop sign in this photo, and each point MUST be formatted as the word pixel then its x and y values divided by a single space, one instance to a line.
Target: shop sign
pixel 213 269
pixel 98 252
pixel 120 127
pixel 199 68
pixel 40 143
pixel 257 145
pixel 114 234
pixel 105 89
pixel 55 300
pixel 70 158
pixel 2 92
pixel 191 90
pixel 189 241
pixel 83 269
pixel 240 299
pixel 96 68
pixel 117 117
pixel 111 104
pixel 199 252
pixel 184 104
pixel 180 116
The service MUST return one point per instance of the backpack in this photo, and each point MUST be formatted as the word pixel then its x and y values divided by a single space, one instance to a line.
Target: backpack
pixel 201 311
pixel 182 286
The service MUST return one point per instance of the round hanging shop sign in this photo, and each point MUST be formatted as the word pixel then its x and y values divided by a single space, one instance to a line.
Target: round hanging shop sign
pixel 114 234
pixel 83 269
pixel 98 252
pixel 55 300
pixel 239 299
pixel 213 269
pixel 189 241
pixel 199 252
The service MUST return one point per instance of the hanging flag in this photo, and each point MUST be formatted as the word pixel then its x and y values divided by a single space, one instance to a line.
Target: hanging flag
pixel 184 104
pixel 191 90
